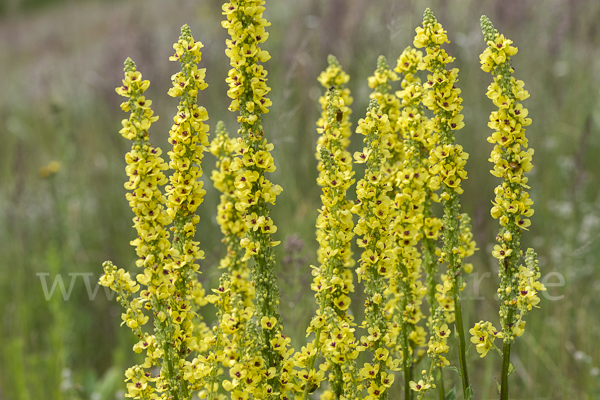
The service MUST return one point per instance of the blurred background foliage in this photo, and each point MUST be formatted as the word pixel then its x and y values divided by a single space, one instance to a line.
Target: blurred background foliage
pixel 60 62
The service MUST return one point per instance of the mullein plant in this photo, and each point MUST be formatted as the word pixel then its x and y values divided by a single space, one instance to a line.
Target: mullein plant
pixel 447 161
pixel 170 271
pixel 411 162
pixel 233 332
pixel 512 207
pixel 333 280
pixel 229 218
pixel 268 371
pixel 416 134
pixel 405 288
pixel 374 209
pixel 413 204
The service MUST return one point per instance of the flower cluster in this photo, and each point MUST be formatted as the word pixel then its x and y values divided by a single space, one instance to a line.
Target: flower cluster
pixel 189 137
pixel 230 219
pixel 377 259
pixel 121 283
pixel 335 76
pixel 512 206
pixel 248 90
pixel 483 336
pixel 232 345
pixel 334 337
pixel 416 132
pixel 160 276
pixel 438 342
pixel 390 105
pixel 447 159
pixel 405 290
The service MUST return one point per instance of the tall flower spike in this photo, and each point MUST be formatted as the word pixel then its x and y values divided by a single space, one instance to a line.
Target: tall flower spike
pixel 332 282
pixel 189 138
pixel 161 278
pixel 234 296
pixel 377 259
pixel 248 90
pixel 448 159
pixel 405 289
pixel 416 132
pixel 230 219
pixel 519 284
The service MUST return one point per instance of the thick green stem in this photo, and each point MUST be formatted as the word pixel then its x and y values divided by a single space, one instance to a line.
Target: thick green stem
pixel 175 392
pixel 461 341
pixel 406 368
pixel 441 390
pixel 505 369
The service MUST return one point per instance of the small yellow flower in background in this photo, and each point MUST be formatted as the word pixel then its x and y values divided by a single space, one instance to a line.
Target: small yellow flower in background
pixel 48 170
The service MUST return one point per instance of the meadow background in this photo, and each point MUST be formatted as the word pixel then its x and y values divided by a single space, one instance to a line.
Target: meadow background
pixel 60 62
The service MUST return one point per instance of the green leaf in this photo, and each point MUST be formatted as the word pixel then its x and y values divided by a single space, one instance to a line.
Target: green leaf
pixel 455 369
pixel 451 395
pixel 512 369
pixel 469 393
pixel 499 387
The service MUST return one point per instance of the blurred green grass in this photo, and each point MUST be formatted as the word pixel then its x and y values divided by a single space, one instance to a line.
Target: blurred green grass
pixel 60 62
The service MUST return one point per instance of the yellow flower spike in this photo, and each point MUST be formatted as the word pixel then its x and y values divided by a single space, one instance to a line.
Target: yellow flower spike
pixel 375 265
pixel 162 277
pixel 417 181
pixel 332 280
pixel 188 136
pixel 512 204
pixel 248 90
pixel 334 76
pixel 442 96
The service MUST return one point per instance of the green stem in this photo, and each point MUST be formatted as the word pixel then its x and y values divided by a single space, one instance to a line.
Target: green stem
pixel 441 384
pixel 461 340
pixel 406 369
pixel 405 348
pixel 505 368
pixel 451 242
pixel 215 368
pixel 422 393
pixel 174 391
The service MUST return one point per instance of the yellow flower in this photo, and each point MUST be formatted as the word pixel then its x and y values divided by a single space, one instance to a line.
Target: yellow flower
pixel 501 252
pixel 419 386
pixel 268 322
